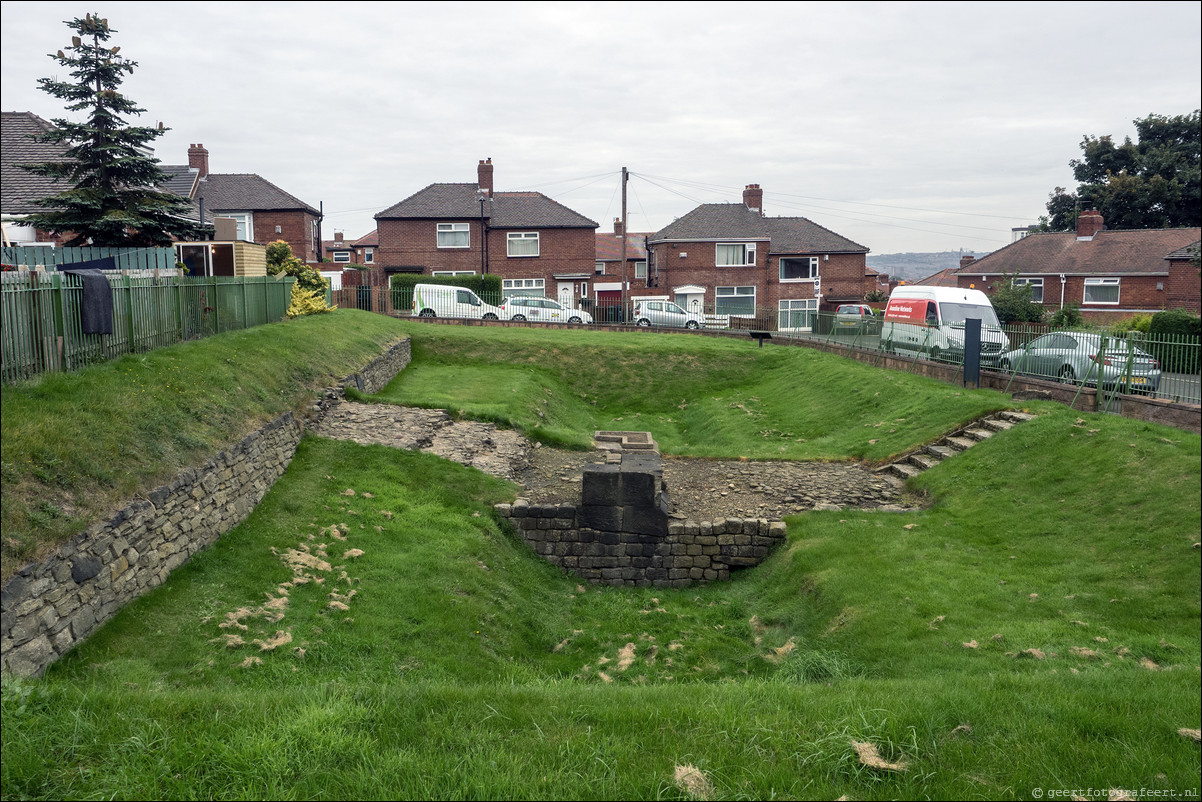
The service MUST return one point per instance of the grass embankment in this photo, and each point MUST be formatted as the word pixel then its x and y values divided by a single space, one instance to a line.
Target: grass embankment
pixel 447 661
pixel 76 445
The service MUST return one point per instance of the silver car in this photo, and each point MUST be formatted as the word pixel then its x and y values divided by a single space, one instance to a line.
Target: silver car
pixel 665 313
pixel 530 307
pixel 1078 357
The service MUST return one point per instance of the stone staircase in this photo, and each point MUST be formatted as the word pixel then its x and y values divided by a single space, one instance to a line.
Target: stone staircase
pixel 916 462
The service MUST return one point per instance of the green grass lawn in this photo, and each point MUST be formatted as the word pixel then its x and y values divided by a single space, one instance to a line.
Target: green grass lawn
pixel 373 631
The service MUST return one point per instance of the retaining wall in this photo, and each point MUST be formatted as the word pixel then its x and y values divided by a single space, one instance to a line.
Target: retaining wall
pixel 48 607
pixel 689 552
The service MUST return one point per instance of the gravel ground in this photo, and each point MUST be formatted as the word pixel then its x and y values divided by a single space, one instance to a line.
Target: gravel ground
pixel 702 489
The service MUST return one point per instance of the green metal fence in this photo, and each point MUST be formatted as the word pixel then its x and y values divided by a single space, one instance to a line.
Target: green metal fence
pixel 51 259
pixel 43 332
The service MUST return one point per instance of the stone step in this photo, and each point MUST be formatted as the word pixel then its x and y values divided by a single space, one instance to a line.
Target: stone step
pixel 1014 416
pixel 958 443
pixel 903 470
pixel 997 424
pixel 941 452
pixel 978 434
pixel 923 461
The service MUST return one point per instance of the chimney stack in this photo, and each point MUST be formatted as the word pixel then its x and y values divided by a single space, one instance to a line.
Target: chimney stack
pixel 1089 223
pixel 337 236
pixel 198 158
pixel 753 198
pixel 619 227
pixel 484 172
pixel 966 260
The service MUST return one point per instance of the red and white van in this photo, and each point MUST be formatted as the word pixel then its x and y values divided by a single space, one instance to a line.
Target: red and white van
pixel 930 321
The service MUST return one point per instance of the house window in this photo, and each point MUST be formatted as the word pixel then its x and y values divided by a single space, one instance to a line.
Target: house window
pixel 797 314
pixel 342 257
pixel 738 301
pixel 369 256
pixel 454 235
pixel 1036 285
pixel 640 269
pixel 523 286
pixel 1101 291
pixel 735 255
pixel 599 268
pixel 803 268
pixel 452 273
pixel 246 224
pixel 522 243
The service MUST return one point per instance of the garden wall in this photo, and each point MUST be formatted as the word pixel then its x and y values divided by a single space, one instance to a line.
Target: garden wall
pixel 49 607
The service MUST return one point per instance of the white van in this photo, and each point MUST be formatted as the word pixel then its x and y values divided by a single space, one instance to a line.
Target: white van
pixel 930 321
pixel 441 300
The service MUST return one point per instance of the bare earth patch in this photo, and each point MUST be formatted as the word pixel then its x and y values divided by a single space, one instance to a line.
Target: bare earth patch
pixel 693 782
pixel 870 757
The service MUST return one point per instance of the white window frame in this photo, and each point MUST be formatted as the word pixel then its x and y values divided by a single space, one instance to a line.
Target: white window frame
pixel 599 268
pixel 451 230
pixel 735 293
pixel 1099 283
pixel 791 306
pixel 521 238
pixel 780 268
pixel 369 256
pixel 341 257
pixel 1036 285
pixel 640 269
pixel 452 273
pixel 523 286
pixel 748 254
pixel 246 224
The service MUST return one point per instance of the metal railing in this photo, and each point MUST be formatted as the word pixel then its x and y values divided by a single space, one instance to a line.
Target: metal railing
pixel 42 315
pixel 1119 364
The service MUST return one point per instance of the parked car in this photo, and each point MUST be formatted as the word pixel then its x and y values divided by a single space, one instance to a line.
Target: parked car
pixel 856 319
pixel 441 300
pixel 665 313
pixel 531 307
pixel 1077 357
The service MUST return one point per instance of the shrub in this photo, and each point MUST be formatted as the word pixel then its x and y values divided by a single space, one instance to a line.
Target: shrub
pixel 1066 318
pixel 1140 323
pixel 281 261
pixel 1175 340
pixel 307 302
pixel 876 296
pixel 1013 303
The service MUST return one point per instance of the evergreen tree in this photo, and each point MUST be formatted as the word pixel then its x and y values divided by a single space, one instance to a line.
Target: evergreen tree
pixel 113 201
pixel 1155 183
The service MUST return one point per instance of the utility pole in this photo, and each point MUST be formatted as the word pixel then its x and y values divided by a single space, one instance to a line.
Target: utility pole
pixel 625 227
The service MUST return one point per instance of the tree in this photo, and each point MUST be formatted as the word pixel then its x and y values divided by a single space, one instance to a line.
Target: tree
pixel 280 260
pixel 113 200
pixel 1156 183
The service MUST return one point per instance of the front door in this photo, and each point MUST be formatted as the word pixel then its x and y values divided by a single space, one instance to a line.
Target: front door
pixel 567 294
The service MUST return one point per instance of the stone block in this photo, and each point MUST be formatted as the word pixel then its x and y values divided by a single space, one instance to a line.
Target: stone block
pixel 603 518
pixel 601 486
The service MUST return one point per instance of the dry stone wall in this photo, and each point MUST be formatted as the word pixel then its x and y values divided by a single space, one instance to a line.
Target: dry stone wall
pixel 48 607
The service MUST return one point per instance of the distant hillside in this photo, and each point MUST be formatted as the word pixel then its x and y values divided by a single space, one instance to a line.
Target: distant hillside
pixel 914 266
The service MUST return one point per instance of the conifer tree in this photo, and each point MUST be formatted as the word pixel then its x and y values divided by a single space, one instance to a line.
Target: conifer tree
pixel 113 200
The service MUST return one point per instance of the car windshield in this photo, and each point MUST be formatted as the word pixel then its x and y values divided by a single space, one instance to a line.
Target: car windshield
pixel 957 313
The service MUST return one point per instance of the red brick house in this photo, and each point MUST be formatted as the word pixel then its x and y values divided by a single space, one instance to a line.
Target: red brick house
pixel 536 246
pixel 1109 275
pixel 339 250
pixel 607 282
pixel 264 212
pixel 729 259
pixel 365 249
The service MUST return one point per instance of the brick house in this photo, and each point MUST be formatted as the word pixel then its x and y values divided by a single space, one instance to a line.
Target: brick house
pixel 365 249
pixel 607 282
pixel 338 250
pixel 536 246
pixel 1109 275
pixel 264 212
pixel 729 259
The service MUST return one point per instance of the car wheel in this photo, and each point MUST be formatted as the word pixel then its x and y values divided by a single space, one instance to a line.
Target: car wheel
pixel 644 323
pixel 692 324
pixel 936 355
pixel 426 313
pixel 490 316
pixel 1004 365
pixel 575 320
pixel 1067 375
pixel 519 318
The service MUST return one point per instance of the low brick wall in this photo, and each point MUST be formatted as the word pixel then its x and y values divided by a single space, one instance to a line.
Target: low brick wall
pixel 688 553
pixel 48 607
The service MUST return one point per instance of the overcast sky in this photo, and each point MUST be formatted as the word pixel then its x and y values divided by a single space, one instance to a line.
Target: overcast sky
pixel 905 127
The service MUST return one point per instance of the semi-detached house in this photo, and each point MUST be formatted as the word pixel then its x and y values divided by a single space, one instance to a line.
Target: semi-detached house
pixel 730 259
pixel 536 245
